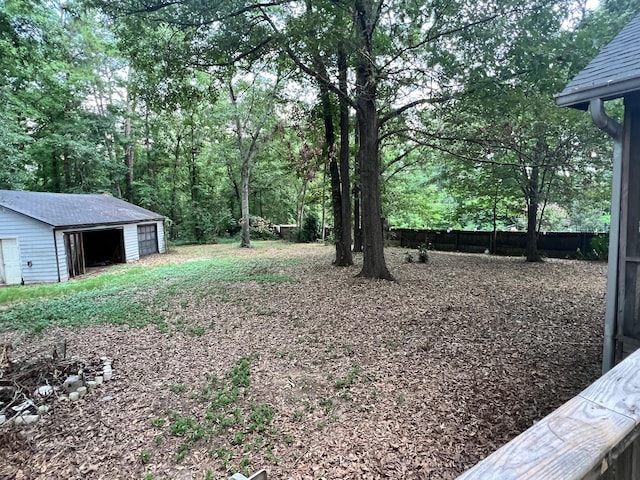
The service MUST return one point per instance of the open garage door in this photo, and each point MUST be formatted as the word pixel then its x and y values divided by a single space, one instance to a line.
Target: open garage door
pixel 93 248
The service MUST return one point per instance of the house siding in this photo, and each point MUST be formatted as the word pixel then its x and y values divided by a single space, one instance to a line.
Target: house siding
pixel 36 245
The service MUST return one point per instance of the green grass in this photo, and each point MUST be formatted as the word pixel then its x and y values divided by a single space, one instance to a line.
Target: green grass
pixel 134 296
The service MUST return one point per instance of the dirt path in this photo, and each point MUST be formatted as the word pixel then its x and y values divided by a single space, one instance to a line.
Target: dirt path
pixel 419 378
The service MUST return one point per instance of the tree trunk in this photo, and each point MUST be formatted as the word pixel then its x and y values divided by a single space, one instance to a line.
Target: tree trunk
pixel 494 217
pixel 342 254
pixel 194 186
pixel 532 217
pixel 346 258
pixel 244 202
pixel 173 209
pixel 374 265
pixel 357 217
pixel 128 154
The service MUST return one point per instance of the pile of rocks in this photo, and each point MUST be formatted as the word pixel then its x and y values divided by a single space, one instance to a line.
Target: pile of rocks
pixel 87 379
pixel 28 387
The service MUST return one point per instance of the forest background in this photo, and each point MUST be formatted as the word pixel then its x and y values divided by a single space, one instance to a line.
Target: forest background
pixel 181 106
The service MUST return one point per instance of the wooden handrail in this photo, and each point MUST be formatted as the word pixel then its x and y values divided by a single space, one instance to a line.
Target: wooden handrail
pixel 582 439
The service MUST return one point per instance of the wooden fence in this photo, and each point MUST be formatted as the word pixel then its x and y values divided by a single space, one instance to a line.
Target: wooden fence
pixel 594 436
pixel 553 244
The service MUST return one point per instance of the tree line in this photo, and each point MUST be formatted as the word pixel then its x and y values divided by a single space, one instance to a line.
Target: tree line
pixel 419 113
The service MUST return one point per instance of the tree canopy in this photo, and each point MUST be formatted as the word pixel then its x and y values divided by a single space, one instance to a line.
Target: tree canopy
pixel 422 114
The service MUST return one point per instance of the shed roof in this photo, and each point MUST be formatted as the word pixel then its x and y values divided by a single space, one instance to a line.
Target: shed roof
pixel 75 210
pixel 612 74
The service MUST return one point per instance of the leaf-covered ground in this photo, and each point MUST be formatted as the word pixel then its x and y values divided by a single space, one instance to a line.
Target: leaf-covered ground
pixel 312 373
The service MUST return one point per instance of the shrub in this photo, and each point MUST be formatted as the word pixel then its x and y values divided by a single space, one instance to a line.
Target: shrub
pixel 310 230
pixel 423 256
pixel 259 229
pixel 600 246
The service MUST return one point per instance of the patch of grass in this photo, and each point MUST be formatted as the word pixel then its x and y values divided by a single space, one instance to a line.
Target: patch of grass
pixel 350 379
pixel 132 295
pixel 327 404
pixel 178 388
pixel 181 425
pixel 196 331
pixel 158 422
pixel 145 457
pixel 260 417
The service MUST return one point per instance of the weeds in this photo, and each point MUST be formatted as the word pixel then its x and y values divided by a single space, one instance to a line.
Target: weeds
pixel 145 457
pixel 350 379
pixel 178 388
pixel 232 419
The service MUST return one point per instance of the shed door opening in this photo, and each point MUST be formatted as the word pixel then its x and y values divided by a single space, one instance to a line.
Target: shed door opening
pixel 147 239
pixel 93 248
pixel 103 247
pixel 10 272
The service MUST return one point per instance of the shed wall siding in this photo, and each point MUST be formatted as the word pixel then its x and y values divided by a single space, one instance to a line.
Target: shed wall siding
pixel 35 241
pixel 62 256
pixel 162 247
pixel 132 253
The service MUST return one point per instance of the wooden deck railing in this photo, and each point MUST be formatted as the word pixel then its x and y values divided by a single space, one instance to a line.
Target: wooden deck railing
pixel 595 435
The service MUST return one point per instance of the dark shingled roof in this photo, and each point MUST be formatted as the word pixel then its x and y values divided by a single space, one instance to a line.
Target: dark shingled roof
pixel 74 210
pixel 612 74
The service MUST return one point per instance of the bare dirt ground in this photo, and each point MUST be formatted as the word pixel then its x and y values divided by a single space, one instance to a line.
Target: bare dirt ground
pixel 414 379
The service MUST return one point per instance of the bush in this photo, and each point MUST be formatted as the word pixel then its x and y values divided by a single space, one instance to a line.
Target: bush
pixel 600 246
pixel 310 230
pixel 259 229
pixel 423 255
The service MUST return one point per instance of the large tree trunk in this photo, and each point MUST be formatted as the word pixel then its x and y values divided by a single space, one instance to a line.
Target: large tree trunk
pixel 532 217
pixel 374 265
pixel 346 258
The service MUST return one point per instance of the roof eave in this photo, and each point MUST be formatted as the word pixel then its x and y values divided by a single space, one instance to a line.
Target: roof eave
pixel 107 224
pixel 579 98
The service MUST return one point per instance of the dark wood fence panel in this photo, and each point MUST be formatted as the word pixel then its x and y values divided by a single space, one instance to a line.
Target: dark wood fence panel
pixel 553 244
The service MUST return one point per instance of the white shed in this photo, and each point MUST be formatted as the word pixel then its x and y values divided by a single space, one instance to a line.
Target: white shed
pixel 50 237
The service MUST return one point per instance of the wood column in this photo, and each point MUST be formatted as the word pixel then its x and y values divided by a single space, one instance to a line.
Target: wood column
pixel 628 314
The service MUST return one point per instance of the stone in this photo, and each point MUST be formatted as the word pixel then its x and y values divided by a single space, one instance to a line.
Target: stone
pixel 44 391
pixel 25 419
pixel 72 383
